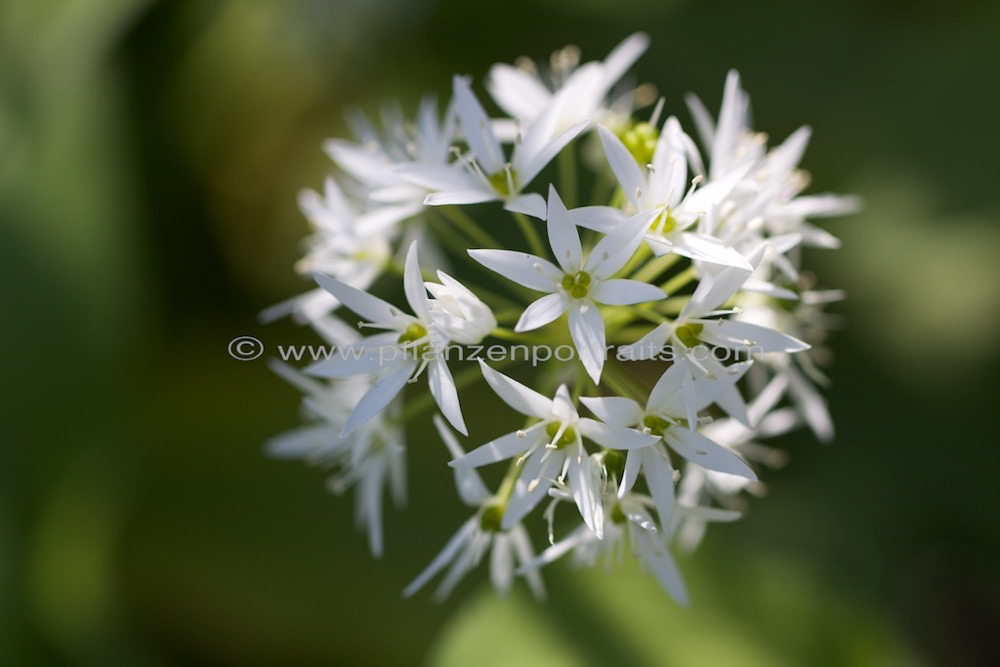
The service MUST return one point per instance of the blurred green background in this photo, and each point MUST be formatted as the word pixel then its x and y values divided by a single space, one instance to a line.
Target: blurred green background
pixel 150 155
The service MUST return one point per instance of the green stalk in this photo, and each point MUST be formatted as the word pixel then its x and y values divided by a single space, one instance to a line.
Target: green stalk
pixel 679 281
pixel 530 235
pixel 655 267
pixel 469 227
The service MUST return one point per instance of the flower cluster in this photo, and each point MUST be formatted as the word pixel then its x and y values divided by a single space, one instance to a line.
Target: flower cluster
pixel 690 247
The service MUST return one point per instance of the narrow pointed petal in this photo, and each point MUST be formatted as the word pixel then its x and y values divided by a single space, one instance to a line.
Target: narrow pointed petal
pixel 413 285
pixel 622 163
pixel 584 485
pixel 633 463
pixel 476 127
pixel 515 91
pixel 500 449
pixel 367 357
pixel 709 454
pixel 563 237
pixel 460 197
pixel 379 396
pixel 615 437
pixel 660 480
pixel 470 486
pixel 614 410
pixel 442 386
pixel 443 558
pixel 709 249
pixel 664 397
pixel 531 204
pixel 525 496
pixel 617 247
pixel 523 399
pixel 501 564
pixel 622 292
pixel 624 56
pixel 369 307
pixel 664 569
pixel 599 218
pixel 528 166
pixel 542 312
pixel 649 345
pixel 735 334
pixel 586 328
pixel 524 269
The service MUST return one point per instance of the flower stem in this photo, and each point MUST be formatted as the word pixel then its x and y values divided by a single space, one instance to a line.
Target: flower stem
pixel 530 235
pixel 654 267
pixel 469 227
pixel 679 281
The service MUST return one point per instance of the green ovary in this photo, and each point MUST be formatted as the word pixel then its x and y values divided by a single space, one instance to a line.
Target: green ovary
pixel 491 518
pixel 656 425
pixel 688 334
pixel 664 224
pixel 577 285
pixel 568 436
pixel 413 333
pixel 499 182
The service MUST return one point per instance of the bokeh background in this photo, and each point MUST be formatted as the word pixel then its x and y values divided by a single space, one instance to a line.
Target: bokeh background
pixel 150 156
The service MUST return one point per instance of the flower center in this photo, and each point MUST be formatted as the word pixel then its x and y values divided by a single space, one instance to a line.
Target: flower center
pixel 656 425
pixel 499 181
pixel 413 333
pixel 577 285
pixel 614 463
pixel 640 140
pixel 568 436
pixel 490 519
pixel 665 223
pixel 618 515
pixel 688 333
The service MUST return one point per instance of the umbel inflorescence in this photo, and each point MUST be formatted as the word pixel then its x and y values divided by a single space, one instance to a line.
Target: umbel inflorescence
pixel 644 287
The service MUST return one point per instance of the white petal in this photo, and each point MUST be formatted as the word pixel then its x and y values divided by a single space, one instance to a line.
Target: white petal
pixel 516 92
pixel 523 399
pixel 532 204
pixel 525 496
pixel 736 334
pixel 707 248
pixel 586 328
pixel 541 312
pixel 614 410
pixel 624 56
pixel 633 463
pixel 664 569
pixel 524 269
pixel 621 292
pixel 707 453
pixel 563 237
pixel 476 127
pixel 622 163
pixel 599 218
pixel 460 197
pixel 442 386
pixel 617 247
pixel 444 557
pixel 501 564
pixel 649 346
pixel 528 166
pixel 470 486
pixel 614 437
pixel 369 356
pixel 378 397
pixel 665 396
pixel 660 480
pixel 369 307
pixel 525 554
pixel 413 285
pixel 583 483
pixel 504 447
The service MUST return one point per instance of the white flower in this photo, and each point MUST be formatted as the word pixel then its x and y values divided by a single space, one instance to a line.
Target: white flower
pixel 369 458
pixel 550 448
pixel 479 534
pixel 411 344
pixel 458 312
pixel 373 160
pixel 626 518
pixel 525 95
pixel 701 322
pixel 486 175
pixel 576 285
pixel 675 399
pixel 663 187
pixel 350 242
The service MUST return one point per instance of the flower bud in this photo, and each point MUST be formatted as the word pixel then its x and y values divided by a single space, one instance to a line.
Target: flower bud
pixel 458 312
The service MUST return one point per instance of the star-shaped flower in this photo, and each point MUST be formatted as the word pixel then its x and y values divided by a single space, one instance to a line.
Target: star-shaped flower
pixel 553 447
pixel 577 285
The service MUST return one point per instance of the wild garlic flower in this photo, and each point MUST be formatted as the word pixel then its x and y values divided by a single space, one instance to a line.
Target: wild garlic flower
pixel 689 271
